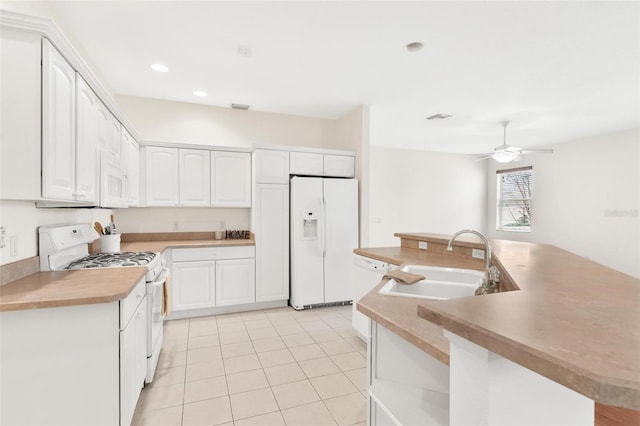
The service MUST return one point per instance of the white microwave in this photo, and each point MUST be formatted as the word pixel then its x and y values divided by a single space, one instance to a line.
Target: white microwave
pixel 114 186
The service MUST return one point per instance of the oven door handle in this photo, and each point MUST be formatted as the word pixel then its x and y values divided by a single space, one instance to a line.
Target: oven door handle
pixel 161 278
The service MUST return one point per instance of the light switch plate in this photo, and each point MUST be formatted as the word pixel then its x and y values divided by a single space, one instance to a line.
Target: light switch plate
pixel 422 245
pixel 477 253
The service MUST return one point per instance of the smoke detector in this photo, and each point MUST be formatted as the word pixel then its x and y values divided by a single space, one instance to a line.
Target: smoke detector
pixel 439 116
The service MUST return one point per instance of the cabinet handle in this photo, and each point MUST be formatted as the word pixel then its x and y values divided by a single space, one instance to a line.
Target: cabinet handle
pixel 139 296
pixel 140 314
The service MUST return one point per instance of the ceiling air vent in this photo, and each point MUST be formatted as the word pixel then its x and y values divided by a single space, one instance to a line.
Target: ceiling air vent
pixel 240 106
pixel 439 116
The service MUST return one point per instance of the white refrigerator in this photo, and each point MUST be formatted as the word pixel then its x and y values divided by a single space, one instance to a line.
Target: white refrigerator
pixel 324 232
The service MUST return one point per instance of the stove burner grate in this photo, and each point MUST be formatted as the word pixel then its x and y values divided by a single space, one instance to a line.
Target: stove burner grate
pixel 108 260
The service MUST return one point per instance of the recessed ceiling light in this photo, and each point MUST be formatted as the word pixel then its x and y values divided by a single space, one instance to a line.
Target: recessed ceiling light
pixel 159 68
pixel 413 47
pixel 200 93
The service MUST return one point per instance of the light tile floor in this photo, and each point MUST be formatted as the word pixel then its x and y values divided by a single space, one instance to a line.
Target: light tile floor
pixel 269 367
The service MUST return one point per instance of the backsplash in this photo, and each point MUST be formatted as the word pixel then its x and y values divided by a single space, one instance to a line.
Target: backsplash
pixel 21 220
pixel 181 219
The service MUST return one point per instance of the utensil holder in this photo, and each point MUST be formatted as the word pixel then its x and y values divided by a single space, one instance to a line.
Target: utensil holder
pixel 110 243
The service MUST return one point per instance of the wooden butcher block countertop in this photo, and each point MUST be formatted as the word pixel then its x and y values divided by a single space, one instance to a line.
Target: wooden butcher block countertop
pixel 82 287
pixel 572 320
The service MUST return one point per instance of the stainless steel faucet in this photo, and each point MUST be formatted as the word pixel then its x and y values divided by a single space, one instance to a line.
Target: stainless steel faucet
pixel 491 276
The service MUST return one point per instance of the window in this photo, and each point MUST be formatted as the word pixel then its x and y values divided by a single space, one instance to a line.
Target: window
pixel 514 199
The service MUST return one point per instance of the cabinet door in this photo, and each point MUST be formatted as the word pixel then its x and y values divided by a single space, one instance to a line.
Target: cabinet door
pixel 230 179
pixel 339 165
pixel 58 125
pixel 133 362
pixel 104 135
pixel 235 282
pixel 161 176
pixel 133 167
pixel 193 285
pixel 86 141
pixel 272 242
pixel 306 163
pixel 194 178
pixel 271 166
pixel 115 138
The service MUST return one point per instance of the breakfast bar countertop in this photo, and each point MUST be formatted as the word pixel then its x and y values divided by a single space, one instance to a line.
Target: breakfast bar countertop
pixel 571 320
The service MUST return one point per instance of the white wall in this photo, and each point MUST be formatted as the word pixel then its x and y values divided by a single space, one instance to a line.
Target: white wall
pixel 182 219
pixel 586 197
pixel 168 121
pixel 419 191
pixel 21 220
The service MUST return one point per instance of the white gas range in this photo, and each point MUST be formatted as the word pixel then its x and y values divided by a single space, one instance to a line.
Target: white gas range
pixel 67 247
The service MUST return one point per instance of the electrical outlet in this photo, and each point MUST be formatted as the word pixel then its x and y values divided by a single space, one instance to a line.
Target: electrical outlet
pixel 175 226
pixel 2 231
pixel 422 245
pixel 13 246
pixel 477 253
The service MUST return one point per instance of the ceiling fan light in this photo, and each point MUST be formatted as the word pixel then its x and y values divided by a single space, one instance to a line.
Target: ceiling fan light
pixel 506 156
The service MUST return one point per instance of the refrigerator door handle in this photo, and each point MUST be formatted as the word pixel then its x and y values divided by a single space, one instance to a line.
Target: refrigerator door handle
pixel 323 205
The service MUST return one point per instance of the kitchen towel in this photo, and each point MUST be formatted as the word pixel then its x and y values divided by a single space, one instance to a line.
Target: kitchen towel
pixel 402 277
pixel 166 295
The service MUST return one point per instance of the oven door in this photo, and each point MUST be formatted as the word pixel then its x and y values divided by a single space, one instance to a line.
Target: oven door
pixel 155 290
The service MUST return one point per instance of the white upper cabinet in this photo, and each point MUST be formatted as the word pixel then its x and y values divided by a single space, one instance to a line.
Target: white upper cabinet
pixel 58 125
pixel 133 167
pixel 306 163
pixel 161 176
pixel 86 162
pixel 271 166
pixel 20 115
pixel 194 178
pixel 339 165
pixel 230 179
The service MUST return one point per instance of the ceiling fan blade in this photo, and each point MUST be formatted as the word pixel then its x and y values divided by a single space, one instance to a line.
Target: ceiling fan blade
pixel 537 151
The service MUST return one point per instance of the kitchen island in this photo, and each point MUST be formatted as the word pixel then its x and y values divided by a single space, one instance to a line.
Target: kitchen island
pixel 571 320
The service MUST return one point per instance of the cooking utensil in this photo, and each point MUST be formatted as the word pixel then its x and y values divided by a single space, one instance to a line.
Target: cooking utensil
pixel 107 230
pixel 98 227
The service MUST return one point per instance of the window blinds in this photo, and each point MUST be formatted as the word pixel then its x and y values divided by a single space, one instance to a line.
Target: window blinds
pixel 514 199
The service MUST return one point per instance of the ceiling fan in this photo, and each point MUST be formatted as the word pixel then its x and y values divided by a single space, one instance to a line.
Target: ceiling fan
pixel 507 153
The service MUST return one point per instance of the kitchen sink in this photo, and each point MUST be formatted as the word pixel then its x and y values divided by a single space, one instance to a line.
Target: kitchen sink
pixel 439 283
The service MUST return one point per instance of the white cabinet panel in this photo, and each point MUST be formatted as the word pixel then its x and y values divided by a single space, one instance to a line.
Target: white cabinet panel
pixel 115 138
pixel 194 177
pixel 161 177
pixel 133 362
pixel 230 179
pixel 339 165
pixel 272 242
pixel 306 163
pixel 86 163
pixel 193 285
pixel 58 125
pixel 133 168
pixel 271 166
pixel 20 115
pixel 235 282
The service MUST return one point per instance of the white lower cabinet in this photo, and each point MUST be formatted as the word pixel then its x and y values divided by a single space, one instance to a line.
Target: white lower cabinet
pixel 235 282
pixel 407 386
pixel 209 277
pixel 193 285
pixel 74 365
pixel 133 362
